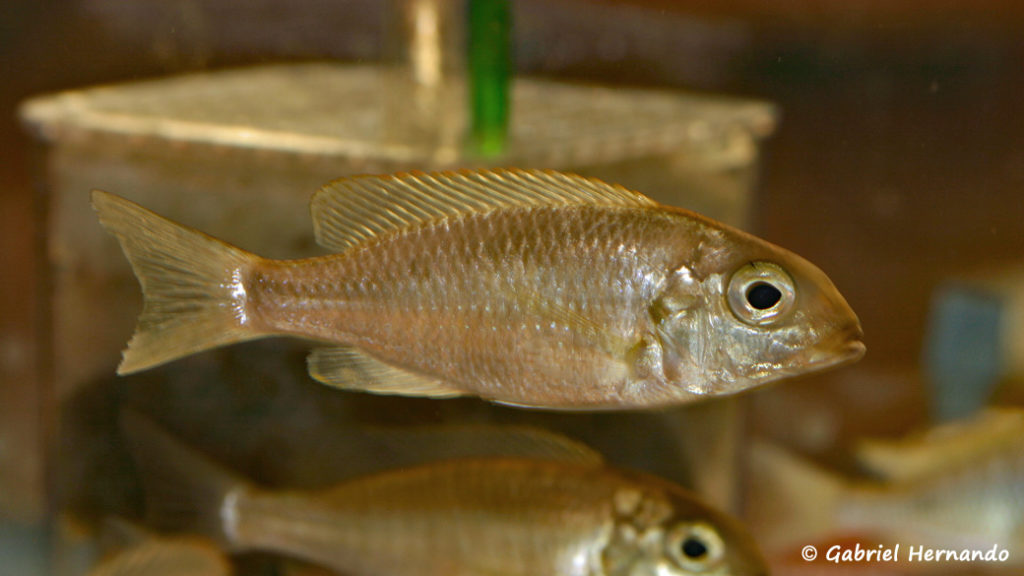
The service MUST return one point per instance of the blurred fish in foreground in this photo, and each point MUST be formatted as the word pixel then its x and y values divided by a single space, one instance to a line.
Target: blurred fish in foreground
pixel 959 486
pixel 526 287
pixel 508 516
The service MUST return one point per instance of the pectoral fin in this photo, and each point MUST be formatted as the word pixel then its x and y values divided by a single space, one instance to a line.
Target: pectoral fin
pixel 351 368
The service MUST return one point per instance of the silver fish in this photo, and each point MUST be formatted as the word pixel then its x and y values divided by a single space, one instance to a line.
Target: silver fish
pixel 500 516
pixel 526 287
pixel 959 486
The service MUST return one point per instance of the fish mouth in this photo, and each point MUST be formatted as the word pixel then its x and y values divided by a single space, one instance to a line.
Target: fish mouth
pixel 852 351
pixel 820 358
pixel 850 348
pixel 853 348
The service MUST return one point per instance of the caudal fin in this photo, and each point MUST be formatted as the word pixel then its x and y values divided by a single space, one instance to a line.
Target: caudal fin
pixel 790 501
pixel 184 490
pixel 191 283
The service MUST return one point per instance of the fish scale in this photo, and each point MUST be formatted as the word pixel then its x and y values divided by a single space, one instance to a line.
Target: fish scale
pixel 470 272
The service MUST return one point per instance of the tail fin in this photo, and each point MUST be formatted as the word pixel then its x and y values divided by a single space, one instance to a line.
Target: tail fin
pixel 790 502
pixel 184 490
pixel 191 282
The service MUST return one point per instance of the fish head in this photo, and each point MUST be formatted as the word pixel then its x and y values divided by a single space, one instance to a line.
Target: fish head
pixel 675 534
pixel 746 313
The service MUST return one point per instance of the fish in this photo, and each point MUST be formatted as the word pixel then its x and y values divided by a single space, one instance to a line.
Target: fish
pixel 525 287
pixel 957 486
pixel 501 516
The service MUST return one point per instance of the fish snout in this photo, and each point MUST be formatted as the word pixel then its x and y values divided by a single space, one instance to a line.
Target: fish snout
pixel 852 346
pixel 844 347
pixel 853 350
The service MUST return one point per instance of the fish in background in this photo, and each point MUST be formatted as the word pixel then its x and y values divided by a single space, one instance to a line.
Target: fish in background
pixel 525 287
pixel 957 486
pixel 510 516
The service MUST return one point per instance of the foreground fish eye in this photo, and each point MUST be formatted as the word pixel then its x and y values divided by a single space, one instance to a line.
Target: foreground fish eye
pixel 695 546
pixel 761 293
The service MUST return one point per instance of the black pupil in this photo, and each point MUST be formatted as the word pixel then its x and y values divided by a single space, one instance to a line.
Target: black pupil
pixel 763 296
pixel 694 548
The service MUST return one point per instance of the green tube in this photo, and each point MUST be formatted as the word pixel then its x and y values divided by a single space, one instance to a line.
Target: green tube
pixel 489 47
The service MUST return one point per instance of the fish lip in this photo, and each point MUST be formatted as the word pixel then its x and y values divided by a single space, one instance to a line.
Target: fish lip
pixel 854 348
pixel 852 352
pixel 851 349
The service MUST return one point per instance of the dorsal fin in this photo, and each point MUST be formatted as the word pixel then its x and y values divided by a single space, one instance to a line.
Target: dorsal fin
pixel 350 211
pixel 417 445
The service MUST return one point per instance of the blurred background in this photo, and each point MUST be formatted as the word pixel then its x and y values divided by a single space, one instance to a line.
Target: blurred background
pixel 897 163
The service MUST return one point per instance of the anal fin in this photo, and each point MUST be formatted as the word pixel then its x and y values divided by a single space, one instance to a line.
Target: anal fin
pixel 351 368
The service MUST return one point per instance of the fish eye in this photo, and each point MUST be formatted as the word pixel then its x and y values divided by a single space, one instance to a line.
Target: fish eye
pixel 695 547
pixel 761 293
